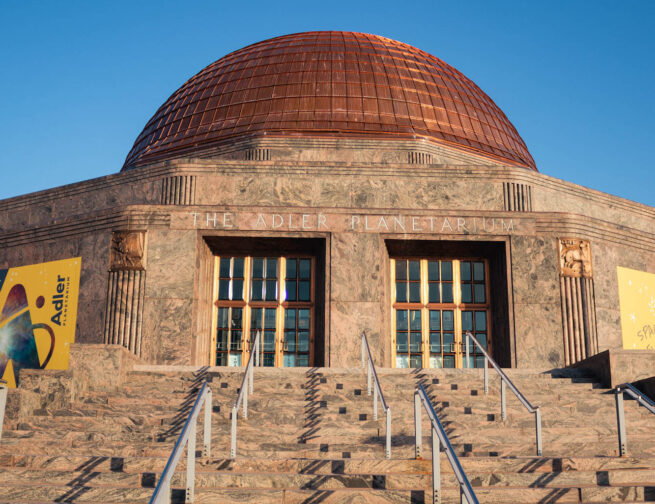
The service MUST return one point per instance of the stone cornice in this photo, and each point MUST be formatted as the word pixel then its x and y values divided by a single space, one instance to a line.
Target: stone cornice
pixel 125 218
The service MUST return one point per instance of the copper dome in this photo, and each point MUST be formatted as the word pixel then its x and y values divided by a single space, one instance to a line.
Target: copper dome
pixel 329 83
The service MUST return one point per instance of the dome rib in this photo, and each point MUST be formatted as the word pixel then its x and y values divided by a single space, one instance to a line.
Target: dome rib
pixel 329 83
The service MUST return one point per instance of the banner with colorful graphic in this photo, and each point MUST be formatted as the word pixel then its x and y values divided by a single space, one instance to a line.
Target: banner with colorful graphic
pixel 38 312
pixel 637 303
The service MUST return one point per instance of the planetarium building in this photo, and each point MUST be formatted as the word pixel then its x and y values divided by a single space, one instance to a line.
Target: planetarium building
pixel 319 185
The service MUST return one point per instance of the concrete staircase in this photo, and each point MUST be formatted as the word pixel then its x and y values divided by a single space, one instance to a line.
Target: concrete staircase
pixel 310 438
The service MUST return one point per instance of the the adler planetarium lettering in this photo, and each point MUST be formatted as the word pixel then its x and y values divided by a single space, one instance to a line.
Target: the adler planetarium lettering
pixel 354 222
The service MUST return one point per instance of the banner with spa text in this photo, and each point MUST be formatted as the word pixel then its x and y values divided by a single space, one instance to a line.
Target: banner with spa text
pixel 38 313
pixel 637 305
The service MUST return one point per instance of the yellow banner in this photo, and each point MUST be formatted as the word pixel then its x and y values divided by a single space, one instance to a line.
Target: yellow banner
pixel 637 303
pixel 38 312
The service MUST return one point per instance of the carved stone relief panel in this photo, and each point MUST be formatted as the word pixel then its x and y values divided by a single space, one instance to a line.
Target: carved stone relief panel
pixel 127 251
pixel 575 258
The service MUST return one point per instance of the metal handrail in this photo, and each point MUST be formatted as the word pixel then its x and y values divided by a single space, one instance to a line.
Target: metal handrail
pixel 187 438
pixel 3 403
pixel 438 432
pixel 246 387
pixel 504 379
pixel 628 388
pixel 377 391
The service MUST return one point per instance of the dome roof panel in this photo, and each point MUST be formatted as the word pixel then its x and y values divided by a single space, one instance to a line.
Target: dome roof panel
pixel 329 83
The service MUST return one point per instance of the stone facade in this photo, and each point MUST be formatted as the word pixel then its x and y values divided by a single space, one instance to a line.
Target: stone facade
pixel 353 196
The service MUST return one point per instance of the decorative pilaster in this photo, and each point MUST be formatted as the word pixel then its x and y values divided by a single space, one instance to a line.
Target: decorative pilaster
pixel 518 197
pixel 178 190
pixel 125 290
pixel 577 295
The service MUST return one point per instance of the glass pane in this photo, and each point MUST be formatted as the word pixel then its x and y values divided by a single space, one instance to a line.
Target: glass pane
pixel 480 321
pixel 467 295
pixel 415 361
pixel 480 295
pixel 433 270
pixel 221 340
pixel 237 290
pixel 448 320
pixel 237 318
pixel 258 268
pixel 401 292
pixel 435 342
pixel 235 360
pixel 257 287
pixel 401 342
pixel 415 292
pixel 271 267
pixel 479 362
pixel 256 318
pixel 433 293
pixel 478 271
pixel 465 271
pixel 289 360
pixel 446 270
pixel 482 338
pixel 402 361
pixel 436 361
pixel 414 270
pixel 291 268
pixel 415 320
pixel 223 317
pixel 447 293
pixel 224 269
pixel 470 363
pixel 305 268
pixel 269 341
pixel 401 270
pixel 224 289
pixel 238 267
pixel 401 320
pixel 435 320
pixel 415 342
pixel 269 360
pixel 448 342
pixel 303 319
pixel 302 360
pixel 221 359
pixel 290 318
pixel 303 341
pixel 303 292
pixel 291 290
pixel 289 341
pixel 467 321
pixel 269 318
pixel 271 290
pixel 235 341
pixel 449 361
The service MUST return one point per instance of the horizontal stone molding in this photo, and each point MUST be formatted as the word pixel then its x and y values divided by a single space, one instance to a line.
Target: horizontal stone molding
pixel 123 219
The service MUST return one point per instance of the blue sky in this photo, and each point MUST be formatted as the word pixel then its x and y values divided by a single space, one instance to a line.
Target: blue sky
pixel 80 79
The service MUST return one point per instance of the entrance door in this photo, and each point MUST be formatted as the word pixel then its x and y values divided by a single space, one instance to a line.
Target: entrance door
pixel 434 303
pixel 270 295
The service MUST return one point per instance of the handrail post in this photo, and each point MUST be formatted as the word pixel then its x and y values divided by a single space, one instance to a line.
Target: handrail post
pixel 257 352
pixel 207 427
pixel 537 420
pixel 620 418
pixel 191 463
pixel 503 408
pixel 3 403
pixel 417 426
pixel 167 492
pixel 368 377
pixel 387 450
pixel 436 468
pixel 245 400
pixel 233 435
pixel 486 375
pixel 375 403
pixel 468 365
